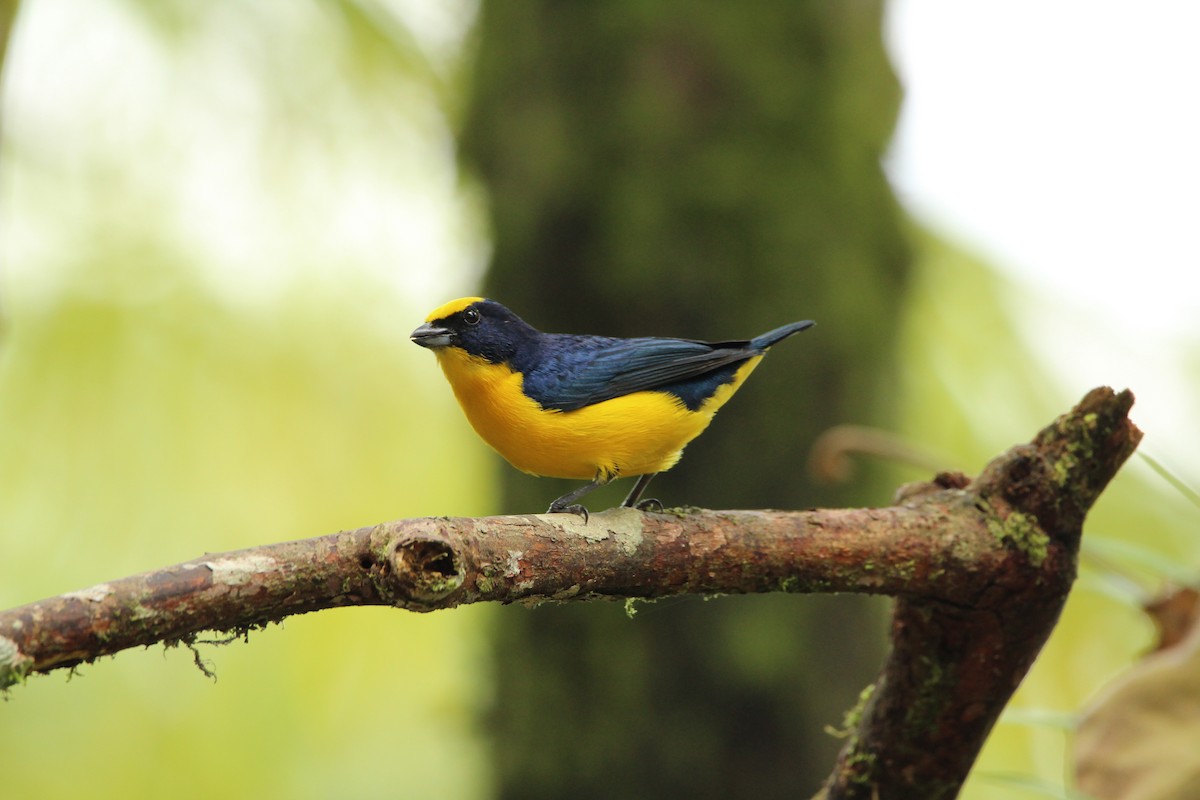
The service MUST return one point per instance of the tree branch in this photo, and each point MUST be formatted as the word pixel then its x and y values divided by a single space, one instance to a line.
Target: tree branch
pixel 956 659
pixel 980 568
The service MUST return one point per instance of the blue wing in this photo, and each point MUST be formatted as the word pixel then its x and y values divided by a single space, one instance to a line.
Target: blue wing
pixel 566 372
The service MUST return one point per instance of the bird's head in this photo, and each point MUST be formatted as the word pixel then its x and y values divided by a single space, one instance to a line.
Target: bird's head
pixel 476 325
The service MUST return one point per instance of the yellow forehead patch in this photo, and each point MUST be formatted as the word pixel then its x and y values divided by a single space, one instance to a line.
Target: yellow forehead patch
pixel 453 307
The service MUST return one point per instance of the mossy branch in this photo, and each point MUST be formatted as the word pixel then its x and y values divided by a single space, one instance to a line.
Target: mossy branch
pixel 980 570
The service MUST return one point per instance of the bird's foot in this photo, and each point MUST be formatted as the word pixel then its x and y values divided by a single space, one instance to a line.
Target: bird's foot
pixel 572 508
pixel 649 504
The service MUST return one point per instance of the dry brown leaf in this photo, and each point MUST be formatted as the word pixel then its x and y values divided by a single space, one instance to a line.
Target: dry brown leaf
pixel 1140 739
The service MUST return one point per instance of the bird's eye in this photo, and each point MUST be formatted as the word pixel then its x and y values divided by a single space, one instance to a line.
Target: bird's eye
pixel 471 316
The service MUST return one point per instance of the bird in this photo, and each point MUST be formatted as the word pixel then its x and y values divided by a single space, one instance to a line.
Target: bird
pixel 585 407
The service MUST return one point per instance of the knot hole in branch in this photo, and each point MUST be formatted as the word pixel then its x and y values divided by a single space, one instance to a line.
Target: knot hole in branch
pixel 426 569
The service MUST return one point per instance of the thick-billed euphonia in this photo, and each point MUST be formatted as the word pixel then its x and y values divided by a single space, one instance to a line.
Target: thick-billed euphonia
pixel 594 408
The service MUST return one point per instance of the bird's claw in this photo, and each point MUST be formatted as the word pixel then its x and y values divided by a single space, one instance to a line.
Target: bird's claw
pixel 649 504
pixel 573 508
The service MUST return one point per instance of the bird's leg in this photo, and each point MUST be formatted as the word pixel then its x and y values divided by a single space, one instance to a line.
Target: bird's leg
pixel 567 505
pixel 643 505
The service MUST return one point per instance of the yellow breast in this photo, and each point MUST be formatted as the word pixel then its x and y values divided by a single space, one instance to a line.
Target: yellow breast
pixel 634 434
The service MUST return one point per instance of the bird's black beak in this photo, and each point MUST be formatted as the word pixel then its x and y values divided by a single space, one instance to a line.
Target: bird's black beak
pixel 430 335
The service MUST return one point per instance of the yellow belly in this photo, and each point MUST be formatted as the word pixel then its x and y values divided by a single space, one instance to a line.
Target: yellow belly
pixel 631 435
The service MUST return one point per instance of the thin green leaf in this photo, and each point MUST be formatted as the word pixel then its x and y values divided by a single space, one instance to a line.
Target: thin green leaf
pixel 1041 717
pixel 1032 784
pixel 1170 477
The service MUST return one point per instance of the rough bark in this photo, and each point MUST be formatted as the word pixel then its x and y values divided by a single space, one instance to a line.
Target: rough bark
pixel 980 569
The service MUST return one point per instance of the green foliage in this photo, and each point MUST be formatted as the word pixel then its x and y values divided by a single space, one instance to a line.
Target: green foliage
pixel 205 347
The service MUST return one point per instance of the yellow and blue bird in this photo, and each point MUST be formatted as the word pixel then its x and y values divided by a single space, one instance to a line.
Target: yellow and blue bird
pixel 594 408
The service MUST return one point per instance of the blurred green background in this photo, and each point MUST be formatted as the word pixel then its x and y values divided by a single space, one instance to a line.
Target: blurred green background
pixel 221 220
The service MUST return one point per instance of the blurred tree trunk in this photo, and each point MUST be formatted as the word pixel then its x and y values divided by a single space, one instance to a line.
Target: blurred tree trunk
pixel 709 172
pixel 8 13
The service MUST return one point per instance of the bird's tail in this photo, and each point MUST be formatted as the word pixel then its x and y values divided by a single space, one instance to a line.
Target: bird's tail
pixel 779 334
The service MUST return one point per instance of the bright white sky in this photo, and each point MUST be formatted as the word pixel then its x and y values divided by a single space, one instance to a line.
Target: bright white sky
pixel 1061 141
